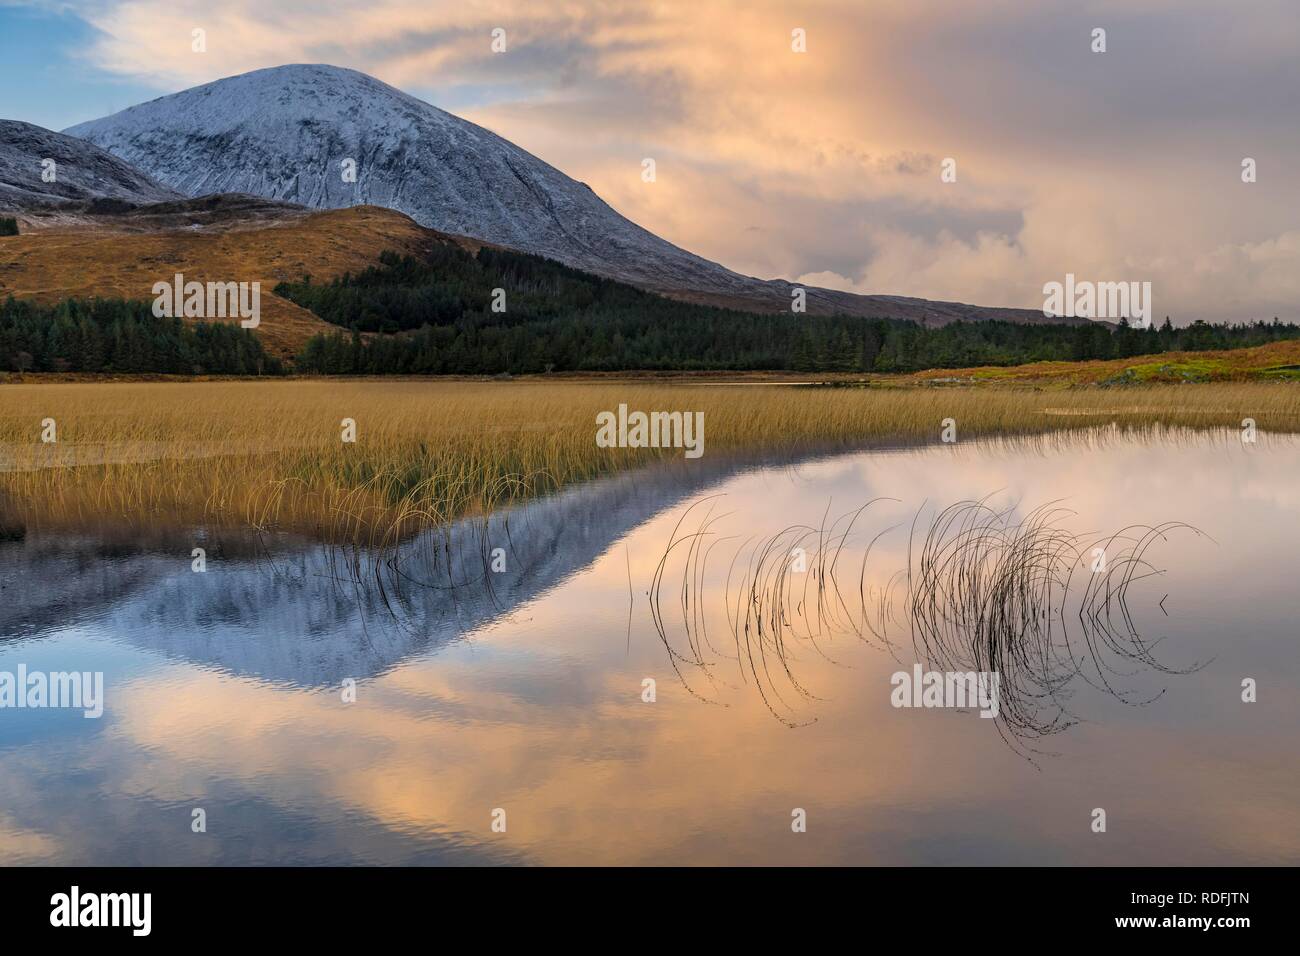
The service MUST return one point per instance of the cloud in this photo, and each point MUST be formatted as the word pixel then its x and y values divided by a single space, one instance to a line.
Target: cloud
pixel 1122 165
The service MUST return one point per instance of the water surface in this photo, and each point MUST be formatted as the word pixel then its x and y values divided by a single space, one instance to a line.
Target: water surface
pixel 522 690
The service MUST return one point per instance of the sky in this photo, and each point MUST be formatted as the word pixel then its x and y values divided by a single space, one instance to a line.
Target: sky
pixel 823 166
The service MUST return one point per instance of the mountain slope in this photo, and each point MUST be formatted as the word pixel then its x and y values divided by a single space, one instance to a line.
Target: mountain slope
pixel 283 133
pixel 82 171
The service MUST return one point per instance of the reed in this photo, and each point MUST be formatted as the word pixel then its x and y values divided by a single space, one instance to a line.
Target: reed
pixel 270 455
pixel 983 590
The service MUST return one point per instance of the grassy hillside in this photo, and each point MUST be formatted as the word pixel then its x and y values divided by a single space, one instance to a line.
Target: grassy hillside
pixel 367 291
pixel 50 265
pixel 1276 361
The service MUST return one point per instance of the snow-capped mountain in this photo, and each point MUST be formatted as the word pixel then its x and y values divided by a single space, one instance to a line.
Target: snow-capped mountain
pixel 39 167
pixel 286 133
pixel 296 132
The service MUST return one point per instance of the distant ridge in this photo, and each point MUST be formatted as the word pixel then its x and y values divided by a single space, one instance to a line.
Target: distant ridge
pixel 81 171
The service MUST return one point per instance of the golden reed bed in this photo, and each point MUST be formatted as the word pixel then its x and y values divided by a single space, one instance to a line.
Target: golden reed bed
pixel 271 454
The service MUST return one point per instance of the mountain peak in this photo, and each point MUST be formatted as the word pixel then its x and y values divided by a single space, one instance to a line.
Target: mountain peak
pixel 326 137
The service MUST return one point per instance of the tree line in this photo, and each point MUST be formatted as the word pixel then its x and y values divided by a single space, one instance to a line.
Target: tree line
pixel 116 335
pixel 436 316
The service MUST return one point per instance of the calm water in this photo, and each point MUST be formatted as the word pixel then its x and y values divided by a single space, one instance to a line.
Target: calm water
pixel 523 689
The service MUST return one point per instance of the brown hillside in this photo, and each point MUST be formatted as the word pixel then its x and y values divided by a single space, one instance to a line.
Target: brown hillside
pixel 1276 361
pixel 103 258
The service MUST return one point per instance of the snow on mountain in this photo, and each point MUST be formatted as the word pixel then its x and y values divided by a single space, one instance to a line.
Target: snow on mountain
pixel 286 133
pixel 80 171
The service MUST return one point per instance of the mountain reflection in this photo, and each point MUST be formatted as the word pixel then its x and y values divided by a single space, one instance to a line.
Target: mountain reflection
pixel 309 614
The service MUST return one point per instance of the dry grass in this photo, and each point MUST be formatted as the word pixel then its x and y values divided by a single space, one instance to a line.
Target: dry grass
pixel 270 454
pixel 1271 362
pixel 56 264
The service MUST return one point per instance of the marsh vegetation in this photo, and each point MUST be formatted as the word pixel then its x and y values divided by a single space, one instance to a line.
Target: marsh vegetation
pixel 271 455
